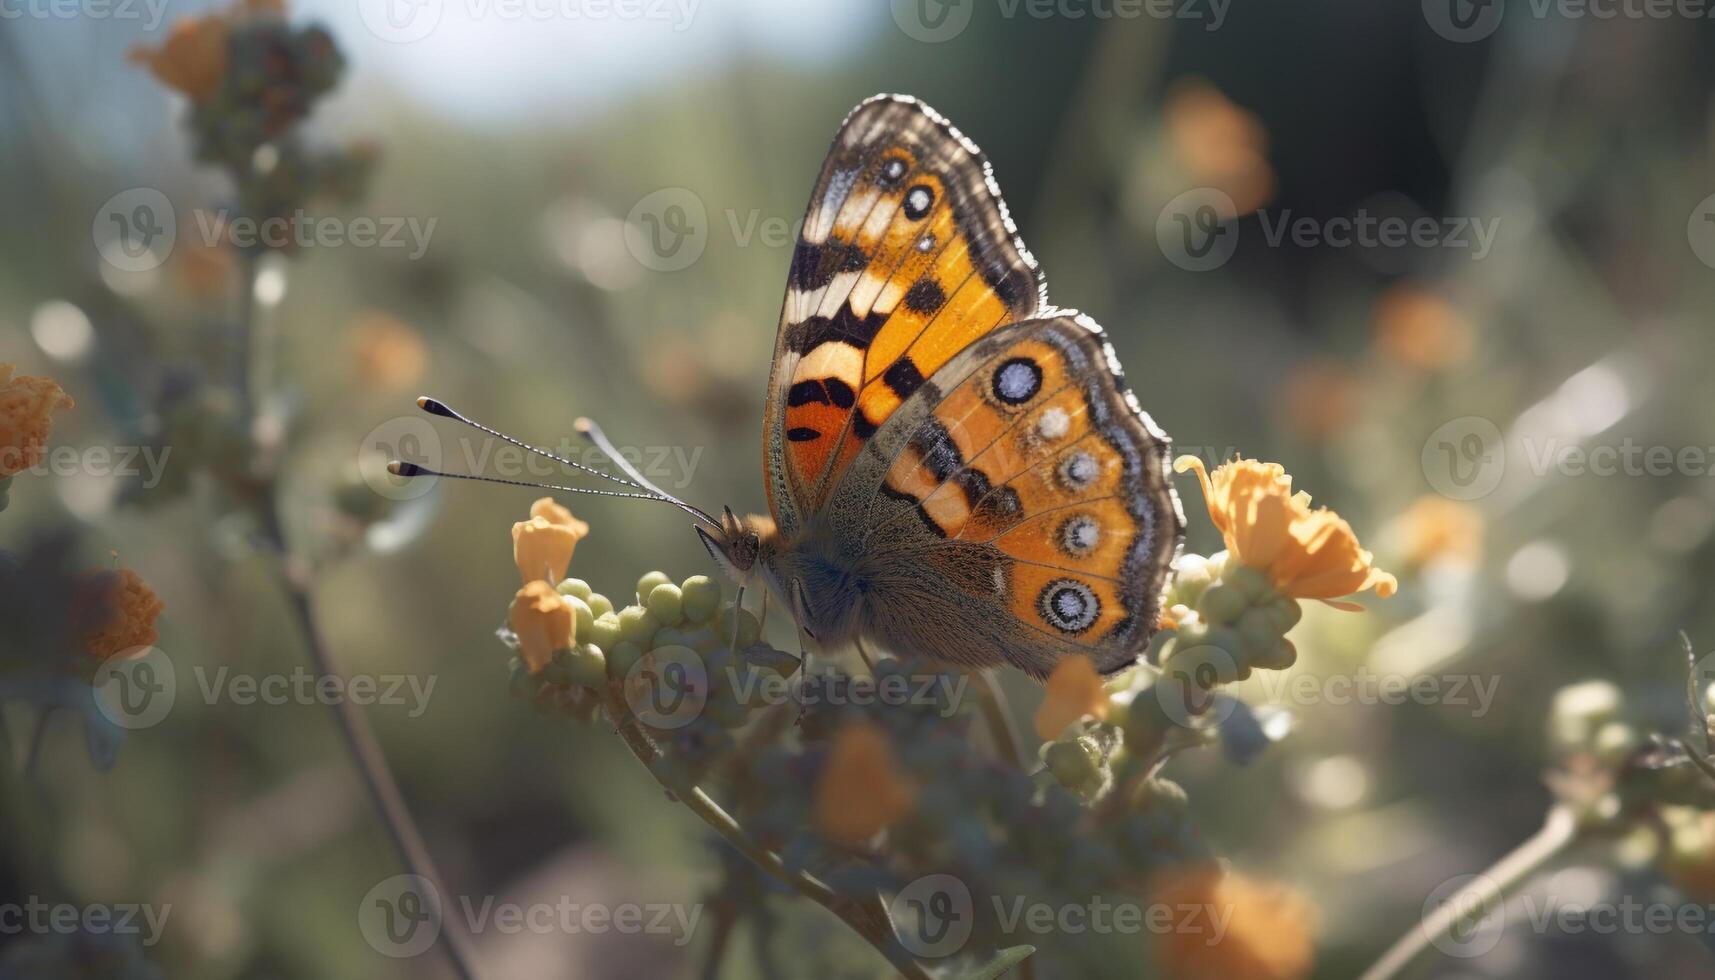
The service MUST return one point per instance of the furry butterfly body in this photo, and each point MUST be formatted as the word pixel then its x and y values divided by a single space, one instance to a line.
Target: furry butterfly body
pixel 953 467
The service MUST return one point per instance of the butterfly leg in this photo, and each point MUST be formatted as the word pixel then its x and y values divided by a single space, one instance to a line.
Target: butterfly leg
pixel 738 607
pixel 867 660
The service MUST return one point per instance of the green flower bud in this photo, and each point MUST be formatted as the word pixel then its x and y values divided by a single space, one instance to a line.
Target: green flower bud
pixel 1278 655
pixel 1192 576
pixel 667 604
pixel 1077 764
pixel 585 617
pixel 575 587
pixel 1284 612
pixel 604 632
pixel 523 683
pixel 1223 605
pixel 558 672
pixel 1251 583
pixel 669 636
pixel 1256 629
pixel 647 584
pixel 1580 710
pixel 599 604
pixel 702 598
pixel 637 625
pixel 1615 742
pixel 621 657
pixel 585 665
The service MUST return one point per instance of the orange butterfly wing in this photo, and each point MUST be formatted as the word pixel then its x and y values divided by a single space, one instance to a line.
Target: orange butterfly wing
pixel 907 256
pixel 1027 459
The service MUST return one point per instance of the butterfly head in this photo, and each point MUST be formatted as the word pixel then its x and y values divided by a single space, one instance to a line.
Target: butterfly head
pixel 741 546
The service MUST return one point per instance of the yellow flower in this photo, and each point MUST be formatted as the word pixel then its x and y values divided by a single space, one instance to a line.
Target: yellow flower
pixel 117 614
pixel 1266 934
pixel 27 405
pixel 193 59
pixel 543 620
pixel 1074 690
pixel 542 546
pixel 1435 528
pixel 1306 554
pixel 861 790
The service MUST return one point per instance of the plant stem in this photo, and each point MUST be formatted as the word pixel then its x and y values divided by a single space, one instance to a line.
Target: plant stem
pixel 360 743
pixel 997 715
pixel 867 919
pixel 1496 884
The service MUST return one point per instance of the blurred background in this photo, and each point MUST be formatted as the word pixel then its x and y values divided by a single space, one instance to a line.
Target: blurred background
pixel 1459 280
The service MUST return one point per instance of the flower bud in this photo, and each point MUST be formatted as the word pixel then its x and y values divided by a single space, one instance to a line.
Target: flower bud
pixel 621 657
pixel 585 665
pixel 1222 605
pixel 702 598
pixel 585 619
pixel 543 622
pixel 576 587
pixel 599 604
pixel 666 603
pixel 638 626
pixel 647 584
pixel 1077 764
pixel 603 632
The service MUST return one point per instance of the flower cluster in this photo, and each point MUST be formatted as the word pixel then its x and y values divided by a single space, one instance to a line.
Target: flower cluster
pixel 27 407
pixel 862 792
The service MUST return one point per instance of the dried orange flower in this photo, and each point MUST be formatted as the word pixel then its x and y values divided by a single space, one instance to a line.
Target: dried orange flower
pixel 544 622
pixel 1418 329
pixel 542 546
pixel 193 59
pixel 1435 528
pixel 862 790
pixel 387 352
pixel 1222 145
pixel 1307 554
pixel 1074 690
pixel 1235 928
pixel 123 610
pixel 27 405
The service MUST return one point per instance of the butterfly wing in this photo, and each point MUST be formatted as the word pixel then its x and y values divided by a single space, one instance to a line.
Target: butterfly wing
pixel 1024 475
pixel 906 257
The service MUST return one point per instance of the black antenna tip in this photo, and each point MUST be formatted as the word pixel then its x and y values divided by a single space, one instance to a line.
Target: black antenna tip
pixel 435 406
pixel 398 468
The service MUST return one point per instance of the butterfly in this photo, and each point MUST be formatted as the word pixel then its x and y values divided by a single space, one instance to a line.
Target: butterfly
pixel 954 468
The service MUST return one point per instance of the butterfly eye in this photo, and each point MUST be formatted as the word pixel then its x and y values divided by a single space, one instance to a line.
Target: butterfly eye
pixel 893 171
pixel 1079 535
pixel 1069 605
pixel 1079 470
pixel 1017 381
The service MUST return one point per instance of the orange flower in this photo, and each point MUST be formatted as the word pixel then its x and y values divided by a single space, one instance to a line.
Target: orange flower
pixel 117 614
pixel 1234 928
pixel 193 59
pixel 27 405
pixel 1074 690
pixel 1222 145
pixel 1434 527
pixel 861 790
pixel 388 353
pixel 1419 330
pixel 542 546
pixel 543 620
pixel 1307 554
pixel 1319 399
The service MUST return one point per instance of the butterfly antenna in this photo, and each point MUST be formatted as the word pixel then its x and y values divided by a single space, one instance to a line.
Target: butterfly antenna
pixel 434 406
pixel 409 470
pixel 587 428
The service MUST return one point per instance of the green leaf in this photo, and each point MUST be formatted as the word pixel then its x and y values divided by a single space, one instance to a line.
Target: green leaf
pixel 1003 961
